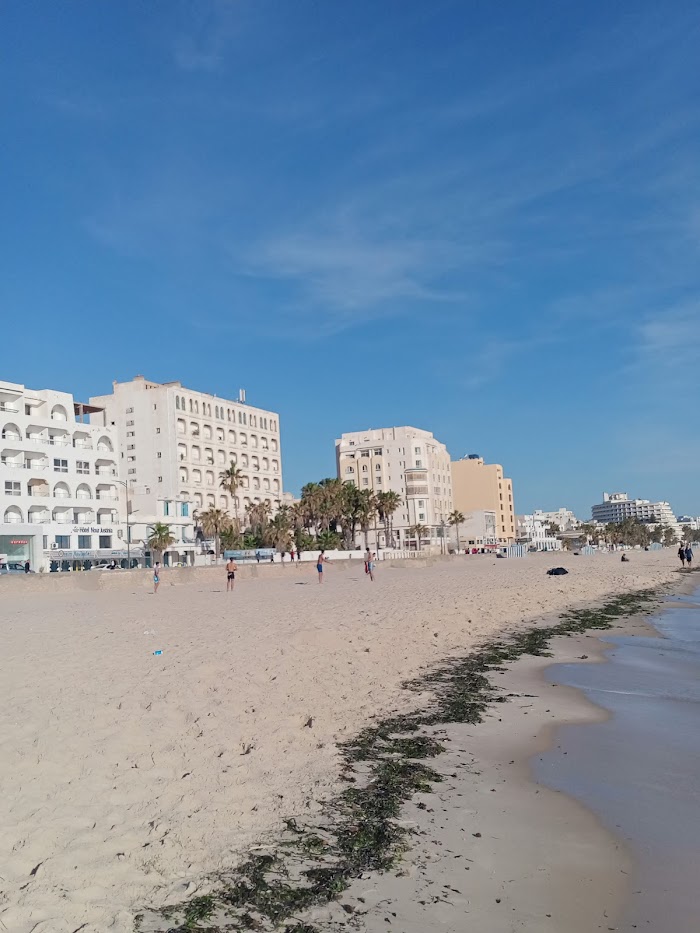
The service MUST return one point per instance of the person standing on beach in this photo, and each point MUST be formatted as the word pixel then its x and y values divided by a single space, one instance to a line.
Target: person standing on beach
pixel 370 564
pixel 368 558
pixel 681 554
pixel 156 576
pixel 321 560
pixel 688 555
pixel 231 568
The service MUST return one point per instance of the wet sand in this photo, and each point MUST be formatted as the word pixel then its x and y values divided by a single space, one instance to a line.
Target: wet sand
pixel 494 851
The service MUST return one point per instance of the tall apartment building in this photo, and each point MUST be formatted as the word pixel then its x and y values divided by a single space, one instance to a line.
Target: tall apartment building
pixel 412 463
pixel 478 486
pixel 617 506
pixel 61 502
pixel 174 443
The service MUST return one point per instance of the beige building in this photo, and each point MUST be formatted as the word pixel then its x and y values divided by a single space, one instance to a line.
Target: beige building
pixel 174 443
pixel 478 486
pixel 412 463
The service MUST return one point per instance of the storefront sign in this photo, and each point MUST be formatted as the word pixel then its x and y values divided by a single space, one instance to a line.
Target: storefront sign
pixel 264 553
pixel 95 530
pixel 100 554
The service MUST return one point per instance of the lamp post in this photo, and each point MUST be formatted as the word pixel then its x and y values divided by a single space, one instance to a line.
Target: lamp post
pixel 128 527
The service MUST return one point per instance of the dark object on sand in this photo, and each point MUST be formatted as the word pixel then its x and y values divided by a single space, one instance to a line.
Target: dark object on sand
pixel 625 559
pixel 556 571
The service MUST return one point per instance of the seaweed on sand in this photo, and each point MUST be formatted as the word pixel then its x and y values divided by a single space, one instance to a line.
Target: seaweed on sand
pixel 360 831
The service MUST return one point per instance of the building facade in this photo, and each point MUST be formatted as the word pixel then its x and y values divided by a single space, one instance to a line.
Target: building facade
pixel 564 519
pixel 617 506
pixel 479 530
pixel 533 530
pixel 175 442
pixel 410 462
pixel 479 486
pixel 62 505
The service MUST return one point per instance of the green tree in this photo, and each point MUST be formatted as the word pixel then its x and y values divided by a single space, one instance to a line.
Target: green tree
pixel 670 536
pixel 456 519
pixel 367 512
pixel 387 503
pixel 214 521
pixel 160 538
pixel 258 515
pixel 329 540
pixel 231 479
pixel 418 532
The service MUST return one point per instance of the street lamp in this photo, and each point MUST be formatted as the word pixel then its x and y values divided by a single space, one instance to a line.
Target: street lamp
pixel 128 528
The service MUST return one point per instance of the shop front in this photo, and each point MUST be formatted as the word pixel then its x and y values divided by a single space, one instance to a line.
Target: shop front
pixel 16 549
pixel 63 561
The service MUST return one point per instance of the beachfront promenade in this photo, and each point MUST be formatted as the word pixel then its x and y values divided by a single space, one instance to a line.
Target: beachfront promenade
pixel 130 776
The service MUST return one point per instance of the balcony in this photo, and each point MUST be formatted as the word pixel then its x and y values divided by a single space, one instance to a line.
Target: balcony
pixel 6 406
pixel 106 471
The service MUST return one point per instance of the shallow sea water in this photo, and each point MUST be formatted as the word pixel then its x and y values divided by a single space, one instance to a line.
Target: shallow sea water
pixel 639 772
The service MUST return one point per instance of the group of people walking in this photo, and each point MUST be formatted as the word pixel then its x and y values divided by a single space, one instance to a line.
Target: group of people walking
pixel 685 554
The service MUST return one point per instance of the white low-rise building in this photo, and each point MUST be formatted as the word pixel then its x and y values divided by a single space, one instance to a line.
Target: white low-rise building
pixel 564 519
pixel 533 530
pixel 478 530
pixel 61 501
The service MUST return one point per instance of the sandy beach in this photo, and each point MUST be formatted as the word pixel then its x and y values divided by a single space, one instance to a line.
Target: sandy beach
pixel 128 777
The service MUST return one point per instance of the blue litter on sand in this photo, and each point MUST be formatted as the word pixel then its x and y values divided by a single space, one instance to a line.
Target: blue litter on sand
pixel 158 652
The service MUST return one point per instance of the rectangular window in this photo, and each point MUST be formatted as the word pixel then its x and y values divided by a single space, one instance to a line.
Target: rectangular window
pixel 60 466
pixel 185 510
pixel 105 541
pixel 131 458
pixel 130 411
pixel 130 446
pixel 131 433
pixel 421 516
pixel 12 489
pixel 159 455
pixel 132 470
pixel 166 508
pixel 157 430
pixel 160 479
pixel 416 450
pixel 62 541
pixel 365 482
pixel 419 463
pixel 378 452
pixel 84 542
pixel 82 466
pixel 129 424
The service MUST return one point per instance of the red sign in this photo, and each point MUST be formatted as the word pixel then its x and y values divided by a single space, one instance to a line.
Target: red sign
pixel 19 541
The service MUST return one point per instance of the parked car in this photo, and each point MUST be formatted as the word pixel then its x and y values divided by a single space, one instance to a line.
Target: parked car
pixel 13 567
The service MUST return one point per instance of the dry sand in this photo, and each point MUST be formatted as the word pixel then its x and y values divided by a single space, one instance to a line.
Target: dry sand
pixel 127 777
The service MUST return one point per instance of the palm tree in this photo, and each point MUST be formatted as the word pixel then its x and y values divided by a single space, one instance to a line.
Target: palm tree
pixel 258 517
pixel 456 518
pixel 213 522
pixel 160 538
pixel 387 503
pixel 367 511
pixel 231 479
pixel 280 530
pixel 419 532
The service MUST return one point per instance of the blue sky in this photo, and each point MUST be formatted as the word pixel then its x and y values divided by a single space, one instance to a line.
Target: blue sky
pixel 481 219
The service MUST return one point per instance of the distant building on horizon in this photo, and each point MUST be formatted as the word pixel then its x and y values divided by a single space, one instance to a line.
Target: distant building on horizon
pixel 563 518
pixel 479 486
pixel 617 506
pixel 410 462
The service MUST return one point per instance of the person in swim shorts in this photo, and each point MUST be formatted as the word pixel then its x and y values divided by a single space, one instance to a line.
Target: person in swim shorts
pixel 156 576
pixel 370 564
pixel 231 568
pixel 320 561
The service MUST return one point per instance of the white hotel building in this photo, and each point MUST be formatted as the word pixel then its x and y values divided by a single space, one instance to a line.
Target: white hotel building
pixel 617 506
pixel 61 502
pixel 408 461
pixel 173 444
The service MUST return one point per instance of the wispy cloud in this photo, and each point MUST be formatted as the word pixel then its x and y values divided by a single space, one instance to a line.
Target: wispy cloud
pixel 212 27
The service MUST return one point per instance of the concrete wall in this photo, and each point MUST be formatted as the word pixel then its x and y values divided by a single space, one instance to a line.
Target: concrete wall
pixel 213 577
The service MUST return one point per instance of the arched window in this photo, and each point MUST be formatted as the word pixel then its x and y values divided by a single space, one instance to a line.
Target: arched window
pixel 232 437
pixel 265 463
pixel 177 401
pixel 13 515
pixel 11 433
pixel 58 413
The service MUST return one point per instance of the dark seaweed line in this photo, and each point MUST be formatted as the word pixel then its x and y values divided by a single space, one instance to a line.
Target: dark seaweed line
pixel 314 865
